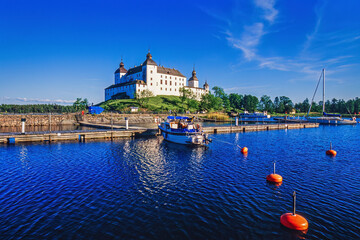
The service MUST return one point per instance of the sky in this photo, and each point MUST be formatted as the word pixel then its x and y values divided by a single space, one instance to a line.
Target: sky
pixel 57 51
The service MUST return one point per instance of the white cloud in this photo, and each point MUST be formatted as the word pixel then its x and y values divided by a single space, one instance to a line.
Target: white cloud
pixel 269 9
pixel 37 100
pixel 248 41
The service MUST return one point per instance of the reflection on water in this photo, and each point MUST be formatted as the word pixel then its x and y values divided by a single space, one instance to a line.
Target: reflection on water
pixel 152 189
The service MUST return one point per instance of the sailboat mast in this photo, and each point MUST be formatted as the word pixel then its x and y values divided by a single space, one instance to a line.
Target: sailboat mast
pixel 323 90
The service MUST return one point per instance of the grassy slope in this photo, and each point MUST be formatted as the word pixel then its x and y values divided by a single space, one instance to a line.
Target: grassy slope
pixel 158 103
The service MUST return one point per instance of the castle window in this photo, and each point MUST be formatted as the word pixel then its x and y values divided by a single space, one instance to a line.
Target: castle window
pixel 165 76
pixel 150 78
pixel 175 89
pixel 175 83
pixel 165 89
pixel 165 82
pixel 170 89
pixel 150 84
pixel 175 78
pixel 170 77
pixel 160 81
pixel 160 88
pixel 151 71
pixel 160 75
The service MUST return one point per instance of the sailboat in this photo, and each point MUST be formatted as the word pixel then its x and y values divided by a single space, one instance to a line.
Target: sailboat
pixel 327 118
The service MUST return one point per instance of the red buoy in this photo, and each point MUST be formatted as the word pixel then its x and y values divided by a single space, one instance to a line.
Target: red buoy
pixel 275 178
pixel 294 221
pixel 244 150
pixel 331 152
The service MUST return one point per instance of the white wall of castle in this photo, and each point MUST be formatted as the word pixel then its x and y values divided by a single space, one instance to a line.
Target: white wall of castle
pixel 157 83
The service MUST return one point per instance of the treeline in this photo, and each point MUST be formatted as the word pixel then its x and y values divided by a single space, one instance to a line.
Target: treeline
pixel 219 101
pixel 78 105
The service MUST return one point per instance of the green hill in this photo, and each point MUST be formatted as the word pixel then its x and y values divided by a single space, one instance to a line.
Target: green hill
pixel 153 104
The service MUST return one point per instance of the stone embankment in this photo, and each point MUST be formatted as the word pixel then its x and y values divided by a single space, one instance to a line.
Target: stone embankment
pixel 36 119
pixel 73 118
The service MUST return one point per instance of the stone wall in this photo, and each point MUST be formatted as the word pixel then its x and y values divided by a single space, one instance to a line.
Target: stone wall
pixel 72 118
pixel 37 119
pixel 120 118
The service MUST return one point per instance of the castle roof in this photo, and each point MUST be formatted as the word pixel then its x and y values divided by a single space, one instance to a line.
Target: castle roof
pixel 193 77
pixel 170 71
pixel 149 60
pixel 121 68
pixel 134 70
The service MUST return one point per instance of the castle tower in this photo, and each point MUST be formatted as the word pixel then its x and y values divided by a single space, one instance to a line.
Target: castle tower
pixel 193 81
pixel 121 71
pixel 206 86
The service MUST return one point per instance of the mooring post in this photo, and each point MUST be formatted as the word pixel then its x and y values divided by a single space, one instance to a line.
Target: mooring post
pixel 126 123
pixel 50 122
pixel 294 203
pixel 236 121
pixel 274 166
pixel 23 120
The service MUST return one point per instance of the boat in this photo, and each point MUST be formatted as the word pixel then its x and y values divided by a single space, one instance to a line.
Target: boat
pixel 327 118
pixel 183 130
pixel 246 114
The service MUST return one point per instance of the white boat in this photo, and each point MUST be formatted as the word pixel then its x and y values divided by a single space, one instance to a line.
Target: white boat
pixel 328 119
pixel 182 130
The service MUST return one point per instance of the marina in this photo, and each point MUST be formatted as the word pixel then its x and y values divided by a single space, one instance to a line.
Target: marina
pixel 121 132
pixel 149 188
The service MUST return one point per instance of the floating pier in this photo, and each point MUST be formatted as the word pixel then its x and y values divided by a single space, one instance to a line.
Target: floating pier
pixel 258 127
pixel 121 132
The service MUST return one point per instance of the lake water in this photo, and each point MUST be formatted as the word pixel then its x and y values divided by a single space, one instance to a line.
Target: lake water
pixel 151 189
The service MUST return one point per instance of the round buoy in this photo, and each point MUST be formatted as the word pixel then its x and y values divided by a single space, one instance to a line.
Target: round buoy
pixel 331 152
pixel 244 150
pixel 292 220
pixel 275 178
pixel 295 222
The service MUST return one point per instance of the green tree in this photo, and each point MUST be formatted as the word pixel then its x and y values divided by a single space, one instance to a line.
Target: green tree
pixel 235 101
pixel 266 104
pixel 143 97
pixel 250 102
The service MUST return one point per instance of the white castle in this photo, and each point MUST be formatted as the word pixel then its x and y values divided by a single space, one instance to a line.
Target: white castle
pixel 149 76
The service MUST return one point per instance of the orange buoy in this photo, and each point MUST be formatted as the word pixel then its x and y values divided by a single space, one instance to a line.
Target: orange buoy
pixel 331 152
pixel 244 150
pixel 293 220
pixel 275 178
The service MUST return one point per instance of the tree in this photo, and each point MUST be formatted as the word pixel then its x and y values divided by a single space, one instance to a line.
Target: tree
pixel 143 97
pixel 235 101
pixel 250 102
pixel 210 102
pixel 80 104
pixel 286 103
pixel 266 104
pixel 219 93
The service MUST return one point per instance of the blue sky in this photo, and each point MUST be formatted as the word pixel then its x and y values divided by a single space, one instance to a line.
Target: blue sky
pixel 56 51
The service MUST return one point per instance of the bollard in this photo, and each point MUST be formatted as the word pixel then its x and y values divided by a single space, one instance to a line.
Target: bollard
pixel 294 203
pixel 126 123
pixel 23 125
pixel 236 121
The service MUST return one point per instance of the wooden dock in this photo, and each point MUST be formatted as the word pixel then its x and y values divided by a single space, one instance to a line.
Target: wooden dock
pixel 258 127
pixel 105 134
pixel 80 136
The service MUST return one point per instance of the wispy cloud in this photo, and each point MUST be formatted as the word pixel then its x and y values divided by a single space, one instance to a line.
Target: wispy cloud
pixel 319 15
pixel 248 41
pixel 38 100
pixel 269 9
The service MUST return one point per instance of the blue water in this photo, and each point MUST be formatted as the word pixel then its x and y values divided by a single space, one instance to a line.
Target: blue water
pixel 150 189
